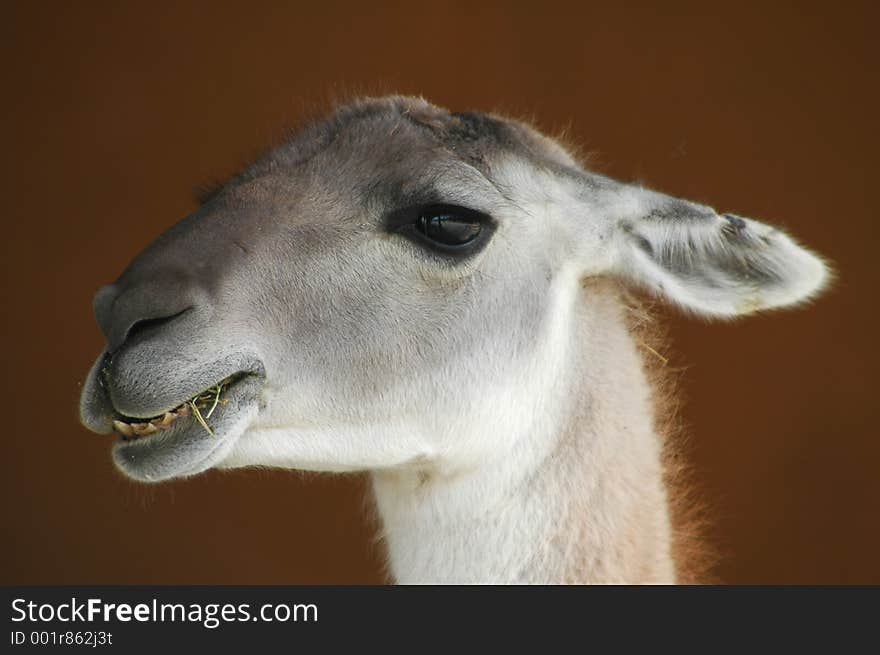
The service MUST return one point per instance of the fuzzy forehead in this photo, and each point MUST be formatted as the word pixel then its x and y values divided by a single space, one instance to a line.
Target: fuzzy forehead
pixel 396 136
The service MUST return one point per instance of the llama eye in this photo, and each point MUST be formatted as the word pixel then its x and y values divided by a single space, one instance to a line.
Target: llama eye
pixel 448 227
pixel 449 230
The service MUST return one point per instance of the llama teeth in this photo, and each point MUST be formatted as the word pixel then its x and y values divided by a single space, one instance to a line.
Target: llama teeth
pixel 206 401
pixel 123 428
pixel 143 429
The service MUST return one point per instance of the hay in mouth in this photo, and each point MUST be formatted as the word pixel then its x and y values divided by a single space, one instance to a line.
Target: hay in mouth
pixel 201 407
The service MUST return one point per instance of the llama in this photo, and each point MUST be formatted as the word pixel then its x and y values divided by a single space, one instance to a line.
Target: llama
pixel 440 300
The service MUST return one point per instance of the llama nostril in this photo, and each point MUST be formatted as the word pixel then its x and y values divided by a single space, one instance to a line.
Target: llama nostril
pixel 147 324
pixel 125 310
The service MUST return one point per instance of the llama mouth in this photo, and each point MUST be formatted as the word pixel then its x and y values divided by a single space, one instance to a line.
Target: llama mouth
pixel 190 438
pixel 200 408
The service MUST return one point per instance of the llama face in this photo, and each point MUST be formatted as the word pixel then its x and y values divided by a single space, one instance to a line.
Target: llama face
pixel 379 290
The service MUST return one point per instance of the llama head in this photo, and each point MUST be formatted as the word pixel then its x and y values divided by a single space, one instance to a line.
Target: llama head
pixel 369 294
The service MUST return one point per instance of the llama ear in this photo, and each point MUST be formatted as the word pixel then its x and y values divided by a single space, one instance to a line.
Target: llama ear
pixel 715 265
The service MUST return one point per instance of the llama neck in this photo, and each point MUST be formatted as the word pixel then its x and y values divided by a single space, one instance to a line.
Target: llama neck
pixel 582 501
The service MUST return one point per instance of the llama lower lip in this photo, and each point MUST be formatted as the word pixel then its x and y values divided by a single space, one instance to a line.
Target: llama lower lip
pixel 185 447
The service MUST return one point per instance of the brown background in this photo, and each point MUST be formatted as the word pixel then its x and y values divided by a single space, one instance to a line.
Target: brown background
pixel 113 112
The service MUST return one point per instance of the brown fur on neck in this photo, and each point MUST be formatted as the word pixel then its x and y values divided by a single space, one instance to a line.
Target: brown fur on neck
pixel 693 556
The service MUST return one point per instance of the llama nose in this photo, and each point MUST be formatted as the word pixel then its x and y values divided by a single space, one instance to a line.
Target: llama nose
pixel 124 312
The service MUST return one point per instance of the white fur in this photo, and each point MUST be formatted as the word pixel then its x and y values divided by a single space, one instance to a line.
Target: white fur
pixel 575 497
